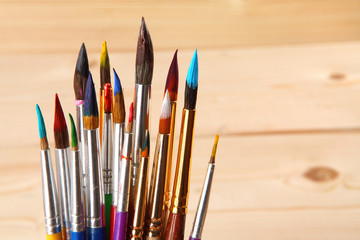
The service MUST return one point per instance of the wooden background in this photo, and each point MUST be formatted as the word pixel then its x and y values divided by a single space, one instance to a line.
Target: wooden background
pixel 279 80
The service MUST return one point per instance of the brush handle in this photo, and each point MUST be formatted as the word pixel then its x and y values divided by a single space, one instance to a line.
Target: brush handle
pixel 108 203
pixel 56 236
pixel 120 227
pixel 175 226
pixel 77 235
pixel 96 233
pixel 112 221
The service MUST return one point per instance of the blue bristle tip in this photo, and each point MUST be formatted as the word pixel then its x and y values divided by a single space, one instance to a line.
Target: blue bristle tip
pixel 192 75
pixel 41 123
pixel 117 87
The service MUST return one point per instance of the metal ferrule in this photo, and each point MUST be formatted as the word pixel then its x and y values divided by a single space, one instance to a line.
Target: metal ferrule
pixel 50 196
pixel 179 200
pixel 124 175
pixel 118 144
pixel 141 121
pixel 155 204
pixel 203 204
pixel 95 217
pixel 107 152
pixel 77 199
pixel 140 200
pixel 63 176
pixel 81 140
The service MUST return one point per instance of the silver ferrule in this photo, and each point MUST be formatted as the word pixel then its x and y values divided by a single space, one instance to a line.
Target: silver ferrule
pixel 107 152
pixel 63 176
pixel 203 203
pixel 141 120
pixel 50 196
pixel 95 217
pixel 118 143
pixel 77 199
pixel 81 140
pixel 124 175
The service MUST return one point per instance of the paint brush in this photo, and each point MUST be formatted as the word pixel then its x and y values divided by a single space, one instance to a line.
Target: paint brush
pixel 61 137
pixel 107 153
pixel 205 196
pixel 104 78
pixel 178 209
pixel 76 189
pixel 171 86
pixel 80 78
pixel 136 227
pixel 95 219
pixel 155 202
pixel 119 129
pixel 121 219
pixel 50 197
pixel 143 78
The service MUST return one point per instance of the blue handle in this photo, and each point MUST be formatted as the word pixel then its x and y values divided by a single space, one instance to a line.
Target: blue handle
pixel 96 233
pixel 78 235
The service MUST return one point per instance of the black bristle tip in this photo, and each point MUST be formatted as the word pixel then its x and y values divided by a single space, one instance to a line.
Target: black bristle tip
pixel 190 97
pixel 81 73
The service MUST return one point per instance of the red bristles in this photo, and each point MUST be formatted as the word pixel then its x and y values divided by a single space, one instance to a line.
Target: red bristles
pixel 131 112
pixel 107 98
pixel 172 80
pixel 60 129
pixel 165 115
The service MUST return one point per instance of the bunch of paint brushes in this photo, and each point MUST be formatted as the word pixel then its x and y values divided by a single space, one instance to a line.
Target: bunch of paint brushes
pixel 102 183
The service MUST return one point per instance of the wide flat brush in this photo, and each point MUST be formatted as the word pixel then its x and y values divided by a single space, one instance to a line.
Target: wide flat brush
pixel 121 219
pixel 201 211
pixel 104 78
pixel 155 203
pixel 77 198
pixel 61 137
pixel 95 218
pixel 176 222
pixel 119 129
pixel 80 78
pixel 50 197
pixel 171 87
pixel 143 77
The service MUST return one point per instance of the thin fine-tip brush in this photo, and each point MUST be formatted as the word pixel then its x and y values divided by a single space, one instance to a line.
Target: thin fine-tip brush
pixel 172 83
pixel 77 206
pixel 119 129
pixel 201 211
pixel 50 197
pixel 143 77
pixel 95 206
pixel 61 137
pixel 155 202
pixel 178 209
pixel 121 219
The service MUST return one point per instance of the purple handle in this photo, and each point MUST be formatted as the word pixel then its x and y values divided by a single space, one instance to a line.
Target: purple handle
pixel 191 238
pixel 120 226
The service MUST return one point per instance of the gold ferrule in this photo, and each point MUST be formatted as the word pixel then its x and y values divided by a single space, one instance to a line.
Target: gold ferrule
pixel 155 203
pixel 101 113
pixel 180 194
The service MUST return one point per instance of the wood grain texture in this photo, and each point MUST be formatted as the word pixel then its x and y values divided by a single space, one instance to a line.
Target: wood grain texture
pixel 288 115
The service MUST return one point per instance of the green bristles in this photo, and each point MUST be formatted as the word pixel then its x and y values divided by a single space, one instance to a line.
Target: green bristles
pixel 74 139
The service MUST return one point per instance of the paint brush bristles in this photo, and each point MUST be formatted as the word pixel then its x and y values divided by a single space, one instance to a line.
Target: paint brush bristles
pixel 74 139
pixel 81 73
pixel 91 112
pixel 42 130
pixel 144 56
pixel 131 117
pixel 104 66
pixel 172 80
pixel 107 98
pixel 119 103
pixel 191 83
pixel 61 134
pixel 165 115
pixel 212 158
pixel 146 146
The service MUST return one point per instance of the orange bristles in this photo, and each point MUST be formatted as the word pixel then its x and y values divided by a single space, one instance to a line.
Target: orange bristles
pixel 107 98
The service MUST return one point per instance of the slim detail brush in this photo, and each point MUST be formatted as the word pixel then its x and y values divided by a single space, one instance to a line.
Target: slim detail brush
pixel 50 197
pixel 155 202
pixel 119 129
pixel 121 219
pixel 179 201
pixel 95 218
pixel 77 199
pixel 201 211
pixel 61 137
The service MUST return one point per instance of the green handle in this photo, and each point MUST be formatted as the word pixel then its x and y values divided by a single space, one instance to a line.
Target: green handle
pixel 108 202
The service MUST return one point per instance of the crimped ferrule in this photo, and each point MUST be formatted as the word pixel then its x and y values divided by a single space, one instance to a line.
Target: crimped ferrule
pixel 50 197
pixel 107 152
pixel 118 145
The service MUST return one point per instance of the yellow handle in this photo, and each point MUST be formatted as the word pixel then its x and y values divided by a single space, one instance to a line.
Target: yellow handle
pixel 56 236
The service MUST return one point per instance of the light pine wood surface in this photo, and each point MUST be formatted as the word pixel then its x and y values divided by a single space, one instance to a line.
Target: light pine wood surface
pixel 279 81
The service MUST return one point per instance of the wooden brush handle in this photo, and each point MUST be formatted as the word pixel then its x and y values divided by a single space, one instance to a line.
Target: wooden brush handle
pixel 175 227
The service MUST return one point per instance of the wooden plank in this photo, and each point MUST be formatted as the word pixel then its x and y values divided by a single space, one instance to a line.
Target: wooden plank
pixel 59 26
